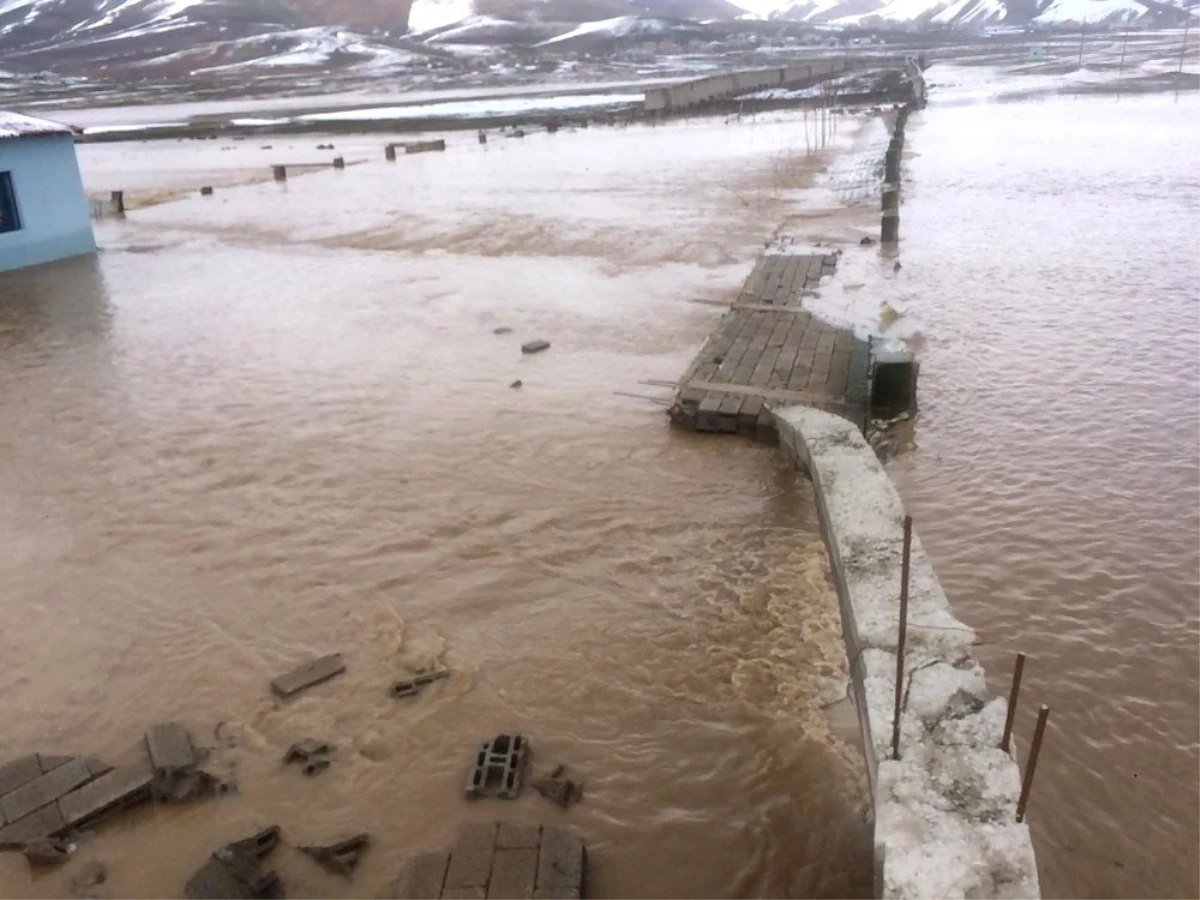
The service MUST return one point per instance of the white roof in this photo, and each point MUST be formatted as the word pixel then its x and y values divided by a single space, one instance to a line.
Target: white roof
pixel 15 125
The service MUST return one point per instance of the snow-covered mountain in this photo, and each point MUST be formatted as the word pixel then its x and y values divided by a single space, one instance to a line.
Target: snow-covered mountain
pixel 183 38
pixel 972 12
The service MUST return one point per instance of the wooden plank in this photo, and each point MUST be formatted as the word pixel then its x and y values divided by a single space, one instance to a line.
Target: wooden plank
pixel 119 789
pixel 313 672
pixel 44 790
pixel 471 856
pixel 561 861
pixel 513 874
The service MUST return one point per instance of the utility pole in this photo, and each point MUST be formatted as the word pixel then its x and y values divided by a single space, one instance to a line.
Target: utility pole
pixel 1082 32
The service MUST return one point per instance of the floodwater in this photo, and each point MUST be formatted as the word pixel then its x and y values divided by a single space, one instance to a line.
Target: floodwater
pixel 1050 252
pixel 276 423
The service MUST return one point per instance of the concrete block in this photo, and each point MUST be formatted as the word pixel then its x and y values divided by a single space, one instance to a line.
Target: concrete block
pixel 19 772
pixel 44 790
pixel 513 874
pixel 471 856
pixel 421 878
pixel 50 763
pixel 46 822
pixel 517 837
pixel 313 672
pixel 170 748
pixel 117 790
pixel 561 861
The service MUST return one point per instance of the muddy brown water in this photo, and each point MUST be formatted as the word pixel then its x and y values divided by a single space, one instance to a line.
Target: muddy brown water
pixel 276 423
pixel 1050 256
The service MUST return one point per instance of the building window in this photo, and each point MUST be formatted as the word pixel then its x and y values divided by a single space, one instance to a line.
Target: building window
pixel 10 216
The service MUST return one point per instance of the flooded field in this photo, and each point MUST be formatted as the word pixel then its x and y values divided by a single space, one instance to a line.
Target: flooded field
pixel 1050 256
pixel 277 422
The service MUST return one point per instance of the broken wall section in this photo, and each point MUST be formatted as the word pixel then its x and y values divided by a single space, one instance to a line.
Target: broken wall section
pixel 945 811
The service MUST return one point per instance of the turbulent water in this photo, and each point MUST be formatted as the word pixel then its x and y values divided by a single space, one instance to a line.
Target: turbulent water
pixel 1050 252
pixel 277 422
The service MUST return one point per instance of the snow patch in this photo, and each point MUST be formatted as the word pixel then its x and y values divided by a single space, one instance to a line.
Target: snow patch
pixel 621 26
pixel 1088 11
pixel 498 106
pixel 427 15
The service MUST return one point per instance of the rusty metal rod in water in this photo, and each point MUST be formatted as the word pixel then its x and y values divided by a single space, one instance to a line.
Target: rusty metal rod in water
pixel 1031 764
pixel 902 635
pixel 1012 701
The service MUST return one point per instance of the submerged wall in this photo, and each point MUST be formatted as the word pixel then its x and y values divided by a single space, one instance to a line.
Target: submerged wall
pixel 945 812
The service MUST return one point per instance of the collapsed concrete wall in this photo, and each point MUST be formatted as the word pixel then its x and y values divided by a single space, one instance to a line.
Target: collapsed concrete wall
pixel 945 811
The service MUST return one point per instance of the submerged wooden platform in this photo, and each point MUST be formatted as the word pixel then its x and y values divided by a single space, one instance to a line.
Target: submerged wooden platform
pixel 768 352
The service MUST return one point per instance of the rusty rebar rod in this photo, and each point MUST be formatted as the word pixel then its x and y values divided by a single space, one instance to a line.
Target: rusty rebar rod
pixel 902 635
pixel 1012 701
pixel 1031 763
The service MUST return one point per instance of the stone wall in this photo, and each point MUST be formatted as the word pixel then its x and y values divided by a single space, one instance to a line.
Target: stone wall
pixel 945 811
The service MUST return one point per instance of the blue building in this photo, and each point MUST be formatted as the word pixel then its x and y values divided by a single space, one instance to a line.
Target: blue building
pixel 44 213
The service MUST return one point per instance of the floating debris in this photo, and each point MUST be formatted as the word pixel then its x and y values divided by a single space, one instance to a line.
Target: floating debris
pixel 342 856
pixel 566 792
pixel 418 683
pixel 234 871
pixel 499 768
pixel 312 754
pixel 535 346
pixel 305 676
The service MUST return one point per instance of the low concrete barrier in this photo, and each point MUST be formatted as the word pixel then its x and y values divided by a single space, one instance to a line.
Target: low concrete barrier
pixel 945 811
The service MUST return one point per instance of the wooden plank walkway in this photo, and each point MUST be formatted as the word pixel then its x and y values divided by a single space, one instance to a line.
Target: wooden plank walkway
pixel 768 351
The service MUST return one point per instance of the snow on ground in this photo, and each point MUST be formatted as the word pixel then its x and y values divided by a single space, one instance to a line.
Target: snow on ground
pixel 468 26
pixel 1089 11
pixel 896 11
pixel 309 47
pixel 426 15
pixel 497 106
pixel 621 26
pixel 964 12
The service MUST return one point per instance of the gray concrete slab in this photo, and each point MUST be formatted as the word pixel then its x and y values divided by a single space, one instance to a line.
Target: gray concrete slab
pixel 516 837
pixel 471 856
pixel 561 860
pixel 115 790
pixel 46 822
pixel 310 673
pixel 513 874
pixel 44 790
